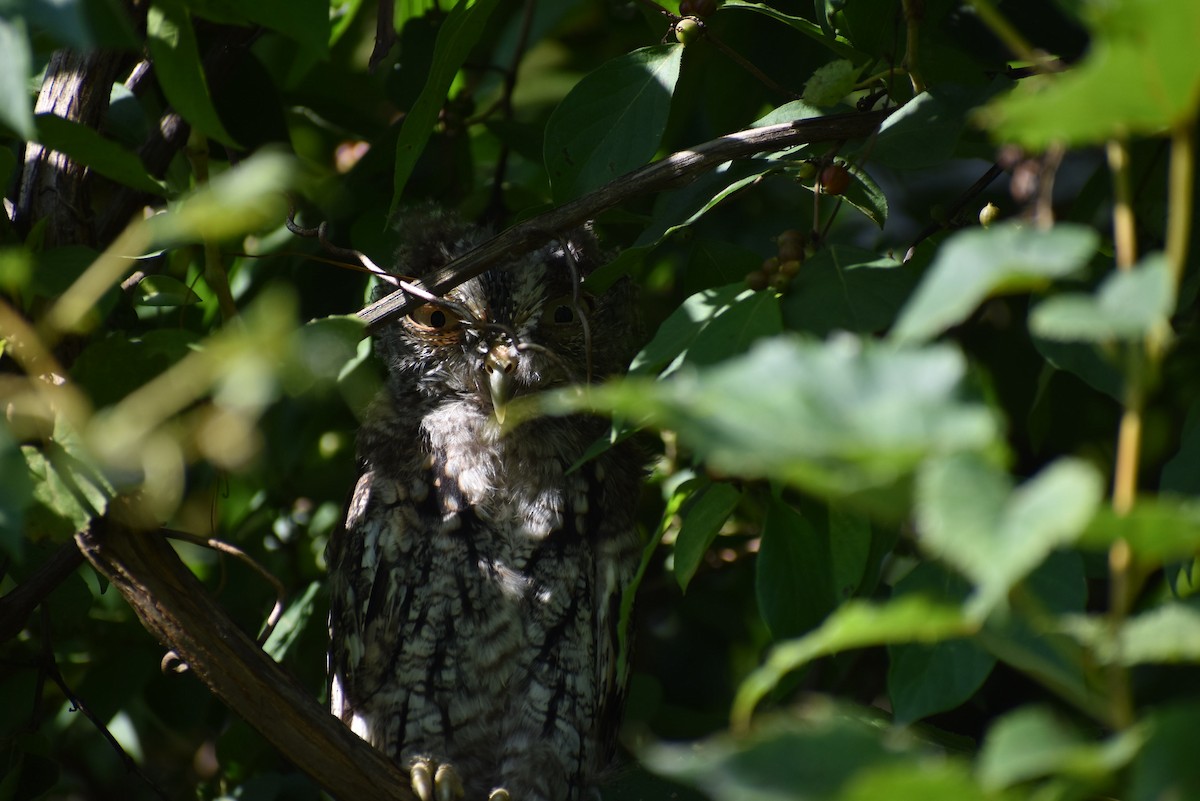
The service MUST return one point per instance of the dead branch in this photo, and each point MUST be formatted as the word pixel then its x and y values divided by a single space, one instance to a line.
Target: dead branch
pixel 176 609
pixel 676 170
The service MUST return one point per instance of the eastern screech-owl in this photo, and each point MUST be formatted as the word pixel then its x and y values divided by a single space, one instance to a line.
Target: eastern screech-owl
pixel 477 581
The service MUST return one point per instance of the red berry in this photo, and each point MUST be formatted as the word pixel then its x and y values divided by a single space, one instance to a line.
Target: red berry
pixel 834 179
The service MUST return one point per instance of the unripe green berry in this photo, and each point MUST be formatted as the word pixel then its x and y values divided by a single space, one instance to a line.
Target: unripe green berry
pixel 988 214
pixel 688 30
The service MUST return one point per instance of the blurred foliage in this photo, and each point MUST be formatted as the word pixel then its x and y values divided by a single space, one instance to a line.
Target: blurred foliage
pixel 927 490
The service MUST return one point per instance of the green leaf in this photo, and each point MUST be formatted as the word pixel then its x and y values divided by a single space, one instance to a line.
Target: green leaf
pixel 970 517
pixel 1140 75
pixel 67 484
pixel 244 199
pixel 163 290
pixel 974 264
pixel 793 573
pixel 855 624
pixel 1166 635
pixel 831 82
pixel 1167 766
pixel 15 495
pixel 838 44
pixel 458 35
pixel 304 21
pixel 1127 306
pixel 612 121
pixel 916 780
pixel 709 327
pixel 88 147
pixel 292 623
pixel 703 517
pixel 16 104
pixel 805 757
pixel 177 65
pixel 924 679
pixel 925 132
pixel 865 195
pixel 841 417
pixel 849 289
pixel 1156 529
pixel 1033 742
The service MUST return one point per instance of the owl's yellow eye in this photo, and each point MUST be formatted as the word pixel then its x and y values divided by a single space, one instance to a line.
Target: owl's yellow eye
pixel 433 318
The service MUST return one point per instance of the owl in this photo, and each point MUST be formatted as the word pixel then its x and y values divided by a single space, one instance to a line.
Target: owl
pixel 477 581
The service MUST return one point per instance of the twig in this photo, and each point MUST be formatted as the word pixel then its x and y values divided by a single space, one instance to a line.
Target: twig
pixel 385 33
pixel 18 604
pixel 993 172
pixel 49 669
pixel 176 608
pixel 677 169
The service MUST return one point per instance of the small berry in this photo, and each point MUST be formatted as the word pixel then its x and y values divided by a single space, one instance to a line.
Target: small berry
pixel 688 30
pixel 806 171
pixel 988 214
pixel 789 268
pixel 757 280
pixel 834 179
pixel 779 282
pixel 770 265
pixel 687 8
pixel 702 8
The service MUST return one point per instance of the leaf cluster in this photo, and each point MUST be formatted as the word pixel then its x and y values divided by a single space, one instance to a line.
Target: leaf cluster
pixel 922 519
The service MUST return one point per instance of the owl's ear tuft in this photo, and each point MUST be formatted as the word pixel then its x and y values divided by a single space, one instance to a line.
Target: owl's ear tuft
pixel 429 237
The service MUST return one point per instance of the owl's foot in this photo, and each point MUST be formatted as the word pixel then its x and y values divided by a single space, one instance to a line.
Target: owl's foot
pixel 499 794
pixel 434 782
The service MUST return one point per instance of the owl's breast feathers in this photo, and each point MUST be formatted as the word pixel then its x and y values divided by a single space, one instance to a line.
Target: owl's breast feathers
pixel 477 589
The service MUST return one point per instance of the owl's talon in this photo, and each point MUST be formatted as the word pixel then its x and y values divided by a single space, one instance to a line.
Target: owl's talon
pixel 422 779
pixel 499 794
pixel 447 784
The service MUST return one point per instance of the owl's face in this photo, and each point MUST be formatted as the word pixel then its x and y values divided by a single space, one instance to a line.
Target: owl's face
pixel 521 327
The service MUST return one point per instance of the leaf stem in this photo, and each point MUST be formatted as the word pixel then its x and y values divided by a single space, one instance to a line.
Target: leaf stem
pixel 214 268
pixel 1181 177
pixel 1009 35
pixel 1129 437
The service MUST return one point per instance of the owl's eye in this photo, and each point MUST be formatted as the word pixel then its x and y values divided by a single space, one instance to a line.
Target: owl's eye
pixel 434 318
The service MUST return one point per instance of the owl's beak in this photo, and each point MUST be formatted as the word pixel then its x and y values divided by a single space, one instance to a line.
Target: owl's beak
pixel 500 366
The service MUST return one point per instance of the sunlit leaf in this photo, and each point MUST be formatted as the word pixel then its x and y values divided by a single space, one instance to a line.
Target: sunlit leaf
pixel 612 120
pixel 836 417
pixel 16 104
pixel 1167 634
pixel 1033 742
pixel 1140 75
pixel 1128 305
pixel 969 516
pixel 838 44
pixel 810 756
pixel 974 264
pixel 709 327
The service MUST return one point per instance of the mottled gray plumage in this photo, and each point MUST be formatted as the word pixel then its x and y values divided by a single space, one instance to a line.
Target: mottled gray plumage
pixel 476 584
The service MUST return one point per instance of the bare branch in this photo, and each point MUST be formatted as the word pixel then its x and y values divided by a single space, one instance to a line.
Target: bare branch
pixel 175 608
pixel 678 169
pixel 19 603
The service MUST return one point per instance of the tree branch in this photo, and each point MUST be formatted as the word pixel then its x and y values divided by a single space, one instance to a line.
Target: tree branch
pixel 678 169
pixel 179 612
pixel 19 603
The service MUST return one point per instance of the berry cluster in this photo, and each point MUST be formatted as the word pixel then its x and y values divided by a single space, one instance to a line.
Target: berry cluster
pixel 779 269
